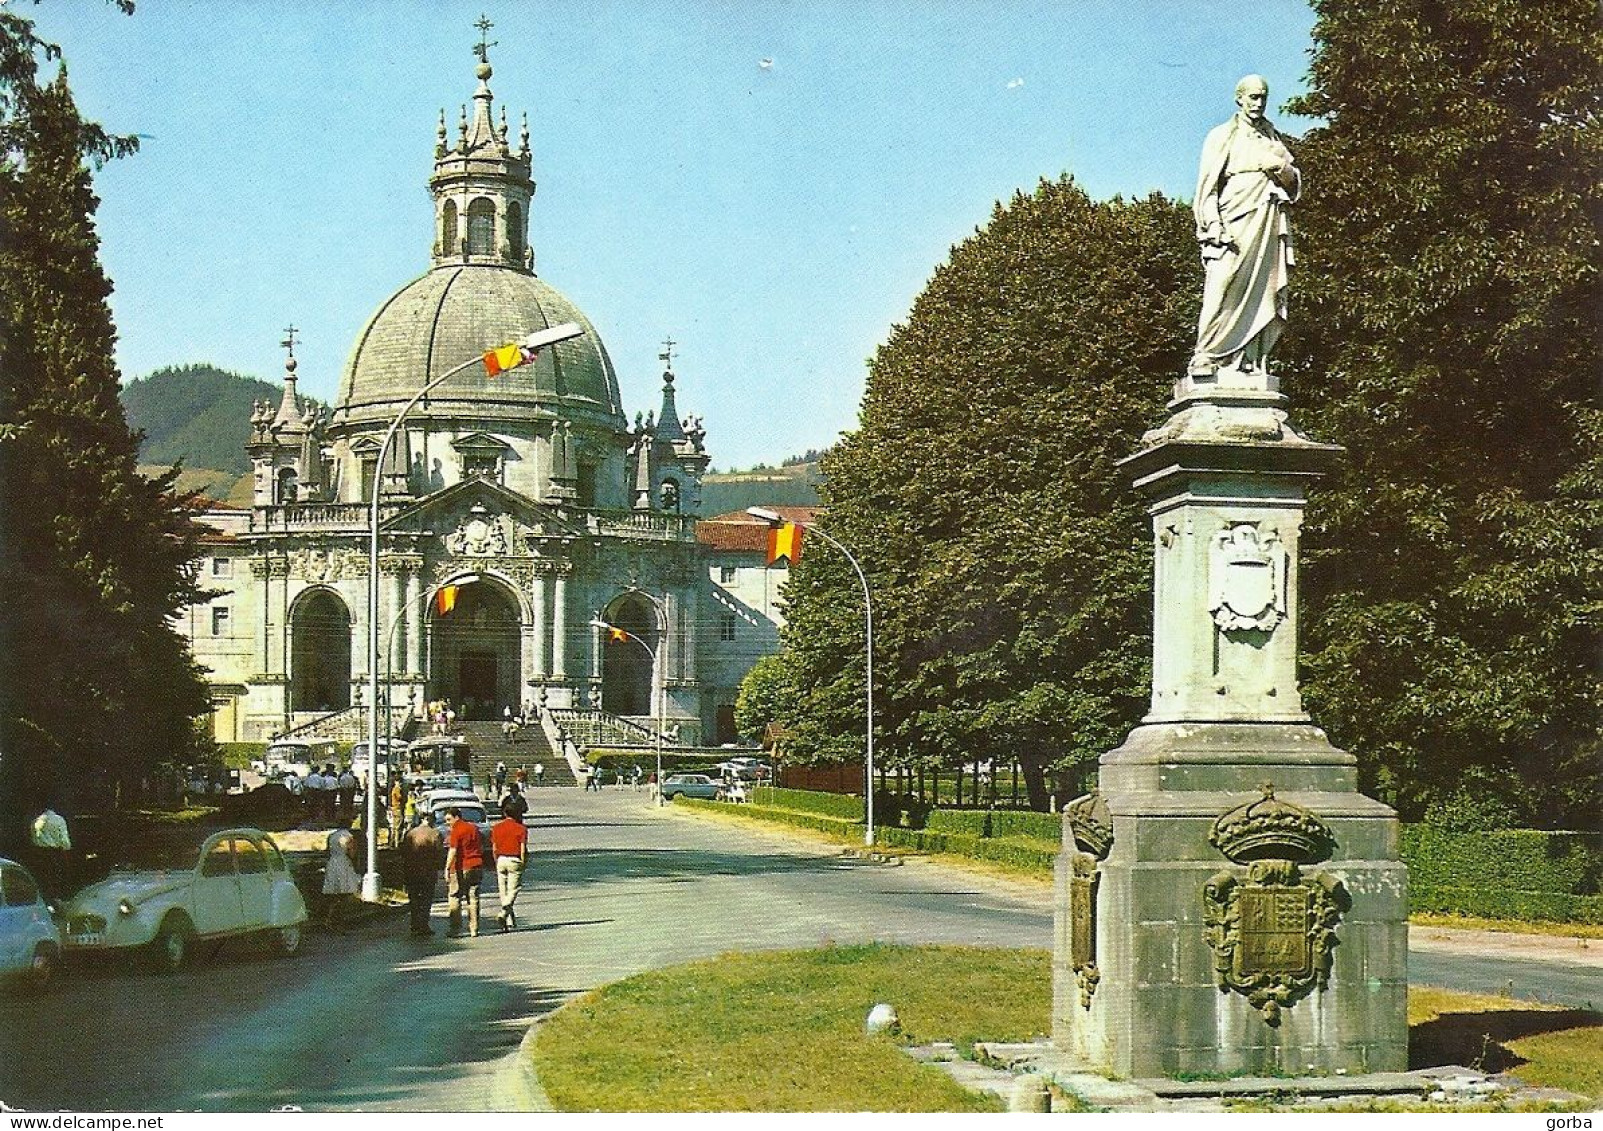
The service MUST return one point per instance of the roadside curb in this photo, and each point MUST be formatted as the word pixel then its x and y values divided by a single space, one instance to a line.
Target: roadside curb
pixel 515 1086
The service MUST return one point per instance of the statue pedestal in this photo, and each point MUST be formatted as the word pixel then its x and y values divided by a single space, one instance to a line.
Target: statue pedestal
pixel 1227 902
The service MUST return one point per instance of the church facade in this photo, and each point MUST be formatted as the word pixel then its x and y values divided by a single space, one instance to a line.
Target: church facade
pixel 515 510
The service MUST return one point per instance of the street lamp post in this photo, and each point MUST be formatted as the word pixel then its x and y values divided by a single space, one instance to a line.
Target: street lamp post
pixel 774 519
pixel 660 690
pixel 533 343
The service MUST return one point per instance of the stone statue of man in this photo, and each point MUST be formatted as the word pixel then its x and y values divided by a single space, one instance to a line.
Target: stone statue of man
pixel 1245 185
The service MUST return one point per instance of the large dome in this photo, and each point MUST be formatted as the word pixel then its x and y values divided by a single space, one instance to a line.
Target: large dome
pixel 455 313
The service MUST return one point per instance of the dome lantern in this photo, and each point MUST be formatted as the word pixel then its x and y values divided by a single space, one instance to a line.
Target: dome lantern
pixel 482 188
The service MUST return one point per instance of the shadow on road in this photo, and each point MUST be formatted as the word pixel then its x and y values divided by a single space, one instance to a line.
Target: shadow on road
pixel 577 866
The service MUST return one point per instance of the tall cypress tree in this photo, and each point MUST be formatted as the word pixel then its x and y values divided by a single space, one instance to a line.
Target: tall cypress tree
pixel 1446 318
pixel 95 687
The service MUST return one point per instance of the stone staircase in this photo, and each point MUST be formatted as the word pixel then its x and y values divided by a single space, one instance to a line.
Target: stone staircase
pixel 490 745
pixel 350 725
pixel 588 729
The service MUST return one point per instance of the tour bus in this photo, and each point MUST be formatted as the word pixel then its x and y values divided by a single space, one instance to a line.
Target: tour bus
pixel 438 755
pixel 391 752
pixel 297 756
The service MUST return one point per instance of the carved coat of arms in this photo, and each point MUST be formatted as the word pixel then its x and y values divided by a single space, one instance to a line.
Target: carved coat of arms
pixel 1248 571
pixel 1272 930
pixel 479 535
pixel 1088 825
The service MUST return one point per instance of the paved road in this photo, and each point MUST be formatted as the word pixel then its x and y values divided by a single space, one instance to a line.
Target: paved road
pixel 375 1020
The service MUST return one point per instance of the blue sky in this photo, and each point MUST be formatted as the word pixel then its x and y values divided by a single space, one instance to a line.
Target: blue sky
pixel 776 221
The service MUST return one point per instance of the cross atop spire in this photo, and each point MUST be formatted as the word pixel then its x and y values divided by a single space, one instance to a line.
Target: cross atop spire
pixel 485 42
pixel 666 356
pixel 289 339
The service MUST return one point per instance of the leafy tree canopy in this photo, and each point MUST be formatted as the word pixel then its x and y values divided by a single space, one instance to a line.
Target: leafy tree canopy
pixel 1447 312
pixel 1008 563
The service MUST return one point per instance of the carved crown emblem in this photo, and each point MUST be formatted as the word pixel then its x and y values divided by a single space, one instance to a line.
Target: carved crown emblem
pixel 1090 824
pixel 1271 829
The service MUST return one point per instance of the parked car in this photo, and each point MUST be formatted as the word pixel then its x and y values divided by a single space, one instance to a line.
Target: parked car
pixel 30 940
pixel 236 885
pixel 471 807
pixel 457 783
pixel 690 785
pixel 746 769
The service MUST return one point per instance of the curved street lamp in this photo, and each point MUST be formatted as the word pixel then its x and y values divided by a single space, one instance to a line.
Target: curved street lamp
pixel 773 518
pixel 660 691
pixel 529 345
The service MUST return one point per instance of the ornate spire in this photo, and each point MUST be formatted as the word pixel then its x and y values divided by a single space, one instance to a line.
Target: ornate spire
pixel 482 189
pixel 289 407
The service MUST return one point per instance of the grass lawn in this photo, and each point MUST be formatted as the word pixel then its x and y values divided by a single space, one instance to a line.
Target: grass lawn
pixel 783 1031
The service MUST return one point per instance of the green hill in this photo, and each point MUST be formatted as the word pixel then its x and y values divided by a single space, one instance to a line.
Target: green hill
pixel 195 413
pixel 795 484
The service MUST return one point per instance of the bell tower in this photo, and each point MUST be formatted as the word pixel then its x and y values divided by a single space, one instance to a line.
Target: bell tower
pixel 482 187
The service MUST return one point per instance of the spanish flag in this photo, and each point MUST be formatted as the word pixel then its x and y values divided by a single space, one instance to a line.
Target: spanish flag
pixel 445 599
pixel 785 541
pixel 617 634
pixel 509 356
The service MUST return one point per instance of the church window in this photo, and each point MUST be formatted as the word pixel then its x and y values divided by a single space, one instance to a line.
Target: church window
pixel 726 574
pixel 369 466
pixel 222 567
pixel 220 620
pixel 726 627
pixel 285 493
pixel 585 484
pixel 448 228
pixel 481 227
pixel 481 465
pixel 515 229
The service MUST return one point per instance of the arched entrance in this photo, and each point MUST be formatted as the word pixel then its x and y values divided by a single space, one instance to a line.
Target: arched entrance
pixel 626 683
pixel 320 653
pixel 475 653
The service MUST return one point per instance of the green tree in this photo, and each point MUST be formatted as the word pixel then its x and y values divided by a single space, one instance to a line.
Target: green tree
pixel 762 696
pixel 94 558
pixel 1446 311
pixel 1009 564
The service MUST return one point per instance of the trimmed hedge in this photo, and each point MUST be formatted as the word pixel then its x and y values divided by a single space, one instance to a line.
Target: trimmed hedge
pixel 963 822
pixel 1024 853
pixel 1494 903
pixel 841 805
pixel 1525 860
pixel 1023 822
pixel 840 826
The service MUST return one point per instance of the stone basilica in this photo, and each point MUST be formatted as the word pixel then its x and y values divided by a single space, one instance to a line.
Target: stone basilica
pixel 529 493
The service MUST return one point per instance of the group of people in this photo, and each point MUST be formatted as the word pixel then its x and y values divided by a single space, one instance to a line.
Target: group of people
pixel 462 852
pixel 441 715
pixel 329 796
pixel 632 778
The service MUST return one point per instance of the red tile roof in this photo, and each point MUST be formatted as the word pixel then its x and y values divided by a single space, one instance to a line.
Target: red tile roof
pixel 738 531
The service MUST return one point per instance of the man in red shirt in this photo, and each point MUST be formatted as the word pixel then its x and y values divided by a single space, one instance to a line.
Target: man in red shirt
pixel 509 840
pixel 464 870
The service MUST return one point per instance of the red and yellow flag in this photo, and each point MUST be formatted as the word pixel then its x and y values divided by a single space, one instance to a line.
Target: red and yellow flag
pixel 617 634
pixel 785 541
pixel 509 356
pixel 445 598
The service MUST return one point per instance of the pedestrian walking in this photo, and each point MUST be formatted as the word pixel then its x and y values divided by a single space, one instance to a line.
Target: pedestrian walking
pixel 500 776
pixel 514 804
pixel 539 773
pixel 51 846
pixel 340 878
pixel 422 854
pixel 346 785
pixel 509 842
pixel 464 871
pixel 397 810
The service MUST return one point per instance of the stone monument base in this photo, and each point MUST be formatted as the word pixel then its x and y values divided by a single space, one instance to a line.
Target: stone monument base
pixel 1247 914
